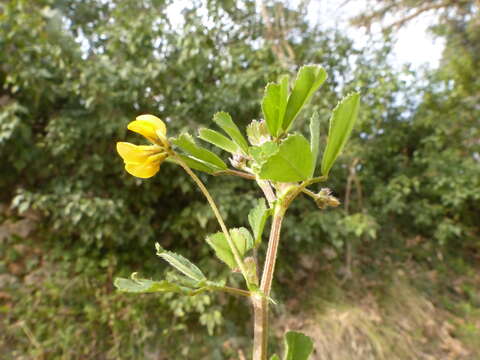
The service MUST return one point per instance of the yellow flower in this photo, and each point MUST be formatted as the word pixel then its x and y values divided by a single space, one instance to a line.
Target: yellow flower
pixel 144 161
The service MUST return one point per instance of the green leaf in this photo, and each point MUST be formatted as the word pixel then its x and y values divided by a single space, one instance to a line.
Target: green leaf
pixel 341 125
pixel 242 239
pixel 217 139
pixel 251 270
pixel 219 244
pixel 275 357
pixel 274 104
pixel 196 164
pixel 315 136
pixel 181 264
pixel 261 153
pixel 292 162
pixel 187 144
pixel 309 79
pixel 257 218
pixel 177 278
pixel 224 120
pixel 135 285
pixel 297 346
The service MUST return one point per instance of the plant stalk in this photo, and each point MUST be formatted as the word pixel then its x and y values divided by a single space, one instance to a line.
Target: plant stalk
pixel 235 291
pixel 260 301
pixel 213 205
pixel 267 190
pixel 260 327
pixel 271 257
pixel 238 173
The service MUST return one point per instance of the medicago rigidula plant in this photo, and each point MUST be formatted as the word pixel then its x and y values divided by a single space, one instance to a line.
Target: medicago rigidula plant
pixel 283 165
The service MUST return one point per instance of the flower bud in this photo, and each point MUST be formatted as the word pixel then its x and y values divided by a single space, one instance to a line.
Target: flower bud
pixel 238 161
pixel 257 132
pixel 324 199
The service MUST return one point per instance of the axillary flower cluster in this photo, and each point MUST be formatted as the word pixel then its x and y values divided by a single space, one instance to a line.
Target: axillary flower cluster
pixel 144 161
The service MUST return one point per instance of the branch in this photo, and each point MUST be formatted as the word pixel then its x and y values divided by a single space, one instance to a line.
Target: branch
pixel 241 174
pixel 420 11
pixel 263 184
pixel 367 19
pixel 213 205
pixel 267 191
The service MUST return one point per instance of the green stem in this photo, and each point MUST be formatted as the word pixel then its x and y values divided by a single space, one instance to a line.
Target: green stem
pixel 234 291
pixel 238 173
pixel 260 300
pixel 295 190
pixel 213 205
pixel 264 185
pixel 309 193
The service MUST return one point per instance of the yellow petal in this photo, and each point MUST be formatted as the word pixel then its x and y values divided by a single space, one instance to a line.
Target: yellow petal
pixel 136 153
pixel 148 126
pixel 143 128
pixel 155 121
pixel 157 157
pixel 144 171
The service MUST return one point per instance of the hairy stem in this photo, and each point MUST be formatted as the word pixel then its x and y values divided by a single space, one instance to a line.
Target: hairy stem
pixel 271 256
pixel 267 190
pixel 238 173
pixel 260 300
pixel 260 327
pixel 213 205
pixel 235 291
pixel 260 303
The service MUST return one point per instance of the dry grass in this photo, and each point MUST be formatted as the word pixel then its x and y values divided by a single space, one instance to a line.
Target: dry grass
pixel 399 324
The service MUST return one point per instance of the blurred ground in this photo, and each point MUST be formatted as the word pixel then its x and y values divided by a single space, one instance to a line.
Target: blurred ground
pixel 403 311
pixel 386 320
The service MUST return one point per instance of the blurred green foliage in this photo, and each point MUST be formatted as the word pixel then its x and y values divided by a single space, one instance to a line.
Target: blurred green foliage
pixel 74 73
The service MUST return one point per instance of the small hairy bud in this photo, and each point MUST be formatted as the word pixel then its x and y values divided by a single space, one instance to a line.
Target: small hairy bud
pixel 324 199
pixel 257 132
pixel 238 161
pixel 333 201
